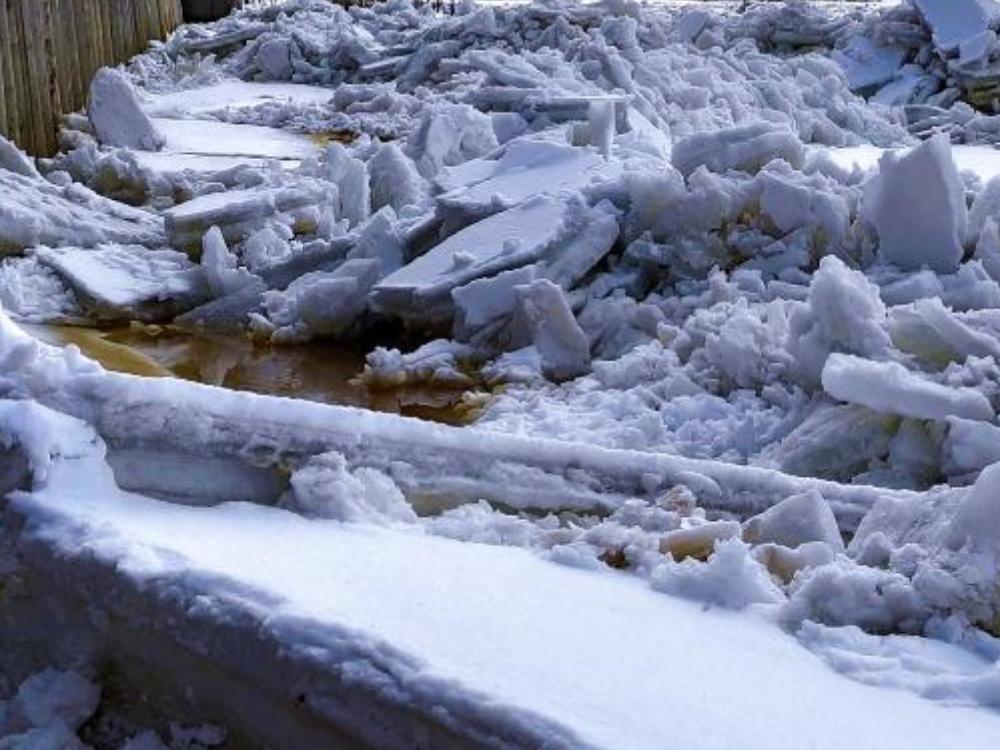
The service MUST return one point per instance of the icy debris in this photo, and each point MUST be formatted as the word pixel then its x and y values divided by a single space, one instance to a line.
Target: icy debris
pixel 955 21
pixel 450 134
pixel 944 544
pixel 743 147
pixel 117 117
pixel 563 347
pixel 241 213
pixel 32 292
pixel 318 303
pixel 845 593
pixel 127 281
pixel 435 363
pixel 889 388
pixel 220 265
pixel 46 712
pixel 731 578
pixel 37 212
pixel 794 521
pixel 917 205
pixel 843 312
pixel 325 487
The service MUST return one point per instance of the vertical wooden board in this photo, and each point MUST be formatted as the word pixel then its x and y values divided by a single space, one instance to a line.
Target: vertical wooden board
pixel 39 73
pixel 60 70
pixel 85 45
pixel 26 114
pixel 4 71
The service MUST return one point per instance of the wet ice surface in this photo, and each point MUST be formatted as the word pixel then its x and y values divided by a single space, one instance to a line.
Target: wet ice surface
pixel 707 260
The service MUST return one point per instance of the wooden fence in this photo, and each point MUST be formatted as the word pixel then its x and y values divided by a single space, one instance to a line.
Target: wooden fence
pixel 50 49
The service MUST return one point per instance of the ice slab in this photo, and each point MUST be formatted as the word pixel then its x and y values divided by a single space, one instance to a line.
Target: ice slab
pixel 129 281
pixel 516 237
pixel 171 163
pixel 34 211
pixel 867 64
pixel 237 212
pixel 526 168
pixel 917 205
pixel 213 429
pixel 954 21
pixel 514 647
pixel 232 94
pixel 210 138
pixel 889 388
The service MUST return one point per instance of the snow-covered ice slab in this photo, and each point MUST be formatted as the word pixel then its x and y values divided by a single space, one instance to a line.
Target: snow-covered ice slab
pixel 954 21
pixel 129 281
pixel 232 94
pixel 235 445
pixel 527 233
pixel 398 639
pixel 238 212
pixel 867 64
pixel 170 163
pixel 33 211
pixel 526 168
pixel 211 138
pixel 889 388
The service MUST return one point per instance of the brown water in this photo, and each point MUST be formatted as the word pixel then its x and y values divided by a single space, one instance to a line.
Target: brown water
pixel 319 371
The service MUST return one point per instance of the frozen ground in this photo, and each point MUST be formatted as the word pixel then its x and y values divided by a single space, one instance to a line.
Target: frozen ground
pixel 726 278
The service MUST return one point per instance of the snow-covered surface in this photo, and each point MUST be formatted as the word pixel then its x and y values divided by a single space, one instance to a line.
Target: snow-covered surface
pixel 208 138
pixel 589 659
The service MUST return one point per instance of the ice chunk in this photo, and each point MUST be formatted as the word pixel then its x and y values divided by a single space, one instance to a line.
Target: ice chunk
pixel 326 488
pixel 954 21
pixel 562 345
pixel 743 147
pixel 917 205
pixel 117 118
pixel 816 448
pixel 219 264
pixel 526 169
pixel 970 446
pixel 450 134
pixel 532 231
pixel 731 578
pixel 319 303
pixel 601 120
pixel 36 212
pixel 795 520
pixel 483 301
pixel 395 180
pixel 843 312
pixel 274 59
pixel 240 213
pixel 351 178
pixel 889 388
pixel 128 281
pixel 867 64
pixel 785 562
pixel 977 520
pixel 14 159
